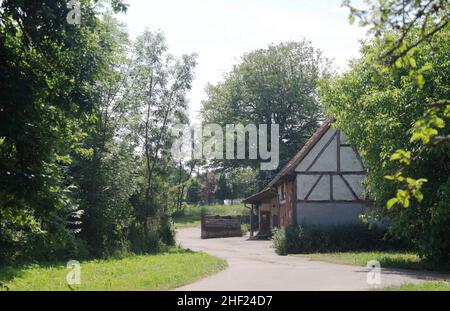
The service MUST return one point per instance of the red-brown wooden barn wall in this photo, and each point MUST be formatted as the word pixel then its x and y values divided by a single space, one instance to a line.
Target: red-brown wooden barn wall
pixel 287 207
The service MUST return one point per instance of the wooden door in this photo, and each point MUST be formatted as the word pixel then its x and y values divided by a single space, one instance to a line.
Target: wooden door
pixel 265 223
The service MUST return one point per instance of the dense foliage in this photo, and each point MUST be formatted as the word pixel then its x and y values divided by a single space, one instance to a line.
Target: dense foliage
pixel 378 107
pixel 85 116
pixel 83 119
pixel 336 238
pixel 272 85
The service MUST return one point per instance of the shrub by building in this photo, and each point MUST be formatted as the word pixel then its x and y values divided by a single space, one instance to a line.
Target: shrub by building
pixel 333 238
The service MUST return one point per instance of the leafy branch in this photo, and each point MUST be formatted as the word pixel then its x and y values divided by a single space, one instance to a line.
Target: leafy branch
pixel 394 22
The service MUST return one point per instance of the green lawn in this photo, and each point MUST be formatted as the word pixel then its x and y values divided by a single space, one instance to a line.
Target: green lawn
pixel 144 272
pixel 425 286
pixel 186 221
pixel 389 260
pixel 191 216
pixel 386 259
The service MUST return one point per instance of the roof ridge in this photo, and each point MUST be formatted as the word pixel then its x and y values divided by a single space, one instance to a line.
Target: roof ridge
pixel 299 156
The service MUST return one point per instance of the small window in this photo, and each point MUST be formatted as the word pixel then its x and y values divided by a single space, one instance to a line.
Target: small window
pixel 275 221
pixel 282 194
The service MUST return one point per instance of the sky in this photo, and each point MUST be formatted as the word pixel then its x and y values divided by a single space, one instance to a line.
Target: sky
pixel 221 31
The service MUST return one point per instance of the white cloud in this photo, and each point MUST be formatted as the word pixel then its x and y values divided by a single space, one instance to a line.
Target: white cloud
pixel 220 31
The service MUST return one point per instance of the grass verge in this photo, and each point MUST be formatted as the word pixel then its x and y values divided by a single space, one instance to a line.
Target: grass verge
pixel 387 260
pixel 424 286
pixel 141 272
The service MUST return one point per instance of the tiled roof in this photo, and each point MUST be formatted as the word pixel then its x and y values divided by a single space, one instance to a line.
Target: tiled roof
pixel 259 196
pixel 289 168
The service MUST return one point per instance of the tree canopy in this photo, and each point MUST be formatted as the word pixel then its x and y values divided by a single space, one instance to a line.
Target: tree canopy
pixel 84 114
pixel 392 105
pixel 272 85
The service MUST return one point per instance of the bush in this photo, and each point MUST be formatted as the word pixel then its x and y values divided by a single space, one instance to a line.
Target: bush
pixel 432 238
pixel 333 238
pixel 376 110
pixel 152 240
pixel 279 241
pixel 167 231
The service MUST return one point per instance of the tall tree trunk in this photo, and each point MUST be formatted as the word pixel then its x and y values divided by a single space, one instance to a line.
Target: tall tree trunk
pixel 147 143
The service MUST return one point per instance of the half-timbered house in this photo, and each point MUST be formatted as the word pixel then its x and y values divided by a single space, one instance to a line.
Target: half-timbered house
pixel 321 184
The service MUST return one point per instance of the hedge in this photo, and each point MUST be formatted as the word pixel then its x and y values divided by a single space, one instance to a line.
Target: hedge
pixel 333 238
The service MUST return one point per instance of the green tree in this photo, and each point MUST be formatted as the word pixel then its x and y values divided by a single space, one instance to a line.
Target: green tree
pixel 107 179
pixel 272 85
pixel 376 108
pixel 48 68
pixel 243 182
pixel 193 192
pixel 222 190
pixel 84 162
pixel 403 29
pixel 158 82
pixel 208 182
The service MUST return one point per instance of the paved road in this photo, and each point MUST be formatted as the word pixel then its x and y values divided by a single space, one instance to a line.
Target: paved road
pixel 253 265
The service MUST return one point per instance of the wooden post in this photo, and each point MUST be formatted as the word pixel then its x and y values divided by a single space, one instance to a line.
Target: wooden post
pixel 251 220
pixel 202 223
